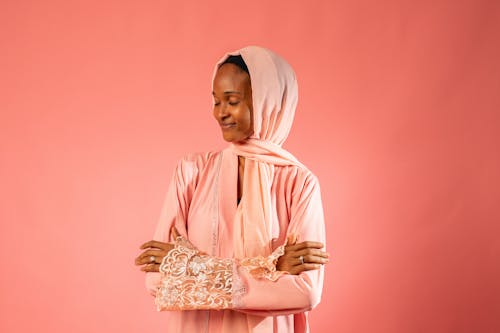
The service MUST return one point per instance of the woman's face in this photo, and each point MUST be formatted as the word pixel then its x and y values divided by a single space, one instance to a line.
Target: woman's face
pixel 233 107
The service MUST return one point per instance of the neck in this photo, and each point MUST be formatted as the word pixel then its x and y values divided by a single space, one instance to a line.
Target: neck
pixel 241 169
pixel 241 162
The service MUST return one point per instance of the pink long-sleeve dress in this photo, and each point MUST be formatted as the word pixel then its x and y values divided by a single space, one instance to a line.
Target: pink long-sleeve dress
pixel 202 203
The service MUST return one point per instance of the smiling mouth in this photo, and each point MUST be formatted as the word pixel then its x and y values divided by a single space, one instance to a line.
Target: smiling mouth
pixel 227 126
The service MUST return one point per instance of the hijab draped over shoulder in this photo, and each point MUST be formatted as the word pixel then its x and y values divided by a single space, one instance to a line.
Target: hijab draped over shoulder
pixel 274 97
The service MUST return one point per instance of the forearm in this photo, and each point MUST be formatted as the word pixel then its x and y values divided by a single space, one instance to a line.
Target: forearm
pixel 190 280
pixel 288 294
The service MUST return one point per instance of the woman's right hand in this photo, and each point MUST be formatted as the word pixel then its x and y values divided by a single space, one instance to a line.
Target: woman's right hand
pixel 304 256
pixel 154 252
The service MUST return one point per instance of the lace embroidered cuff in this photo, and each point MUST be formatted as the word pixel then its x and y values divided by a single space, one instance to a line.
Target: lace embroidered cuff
pixel 264 267
pixel 191 280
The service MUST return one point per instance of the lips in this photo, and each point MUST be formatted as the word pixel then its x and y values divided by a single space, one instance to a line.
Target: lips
pixel 227 125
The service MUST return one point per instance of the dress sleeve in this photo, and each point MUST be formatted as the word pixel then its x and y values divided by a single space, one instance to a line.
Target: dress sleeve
pixel 175 209
pixel 193 280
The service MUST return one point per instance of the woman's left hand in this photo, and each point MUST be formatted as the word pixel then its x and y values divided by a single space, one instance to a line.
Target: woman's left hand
pixel 300 257
pixel 154 253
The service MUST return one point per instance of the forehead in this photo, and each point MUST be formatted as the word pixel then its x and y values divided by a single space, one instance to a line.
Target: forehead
pixel 230 76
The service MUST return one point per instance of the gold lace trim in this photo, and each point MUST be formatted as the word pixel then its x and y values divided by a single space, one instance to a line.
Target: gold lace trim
pixel 264 267
pixel 193 280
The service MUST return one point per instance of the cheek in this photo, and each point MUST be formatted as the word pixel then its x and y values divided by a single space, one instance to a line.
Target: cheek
pixel 246 119
pixel 250 119
pixel 250 115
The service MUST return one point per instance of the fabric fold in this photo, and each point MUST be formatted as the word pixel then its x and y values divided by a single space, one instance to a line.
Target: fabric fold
pixel 274 98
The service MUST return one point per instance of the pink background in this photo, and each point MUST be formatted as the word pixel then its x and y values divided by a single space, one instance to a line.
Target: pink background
pixel 398 117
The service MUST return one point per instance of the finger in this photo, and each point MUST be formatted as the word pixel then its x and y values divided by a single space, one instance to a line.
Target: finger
pixel 305 267
pixel 314 256
pixel 152 252
pixel 311 259
pixel 290 240
pixel 155 244
pixel 145 257
pixel 305 245
pixel 311 251
pixel 151 268
pixel 147 261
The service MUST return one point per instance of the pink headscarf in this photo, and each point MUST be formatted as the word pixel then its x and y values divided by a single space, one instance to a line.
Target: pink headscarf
pixel 274 97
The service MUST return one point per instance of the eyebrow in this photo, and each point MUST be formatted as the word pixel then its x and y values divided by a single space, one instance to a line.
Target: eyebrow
pixel 228 92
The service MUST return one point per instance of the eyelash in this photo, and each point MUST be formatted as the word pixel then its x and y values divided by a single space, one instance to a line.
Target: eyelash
pixel 230 103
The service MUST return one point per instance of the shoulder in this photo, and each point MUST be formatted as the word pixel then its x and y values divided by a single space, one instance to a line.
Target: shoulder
pixel 197 161
pixel 297 172
pixel 199 157
pixel 299 178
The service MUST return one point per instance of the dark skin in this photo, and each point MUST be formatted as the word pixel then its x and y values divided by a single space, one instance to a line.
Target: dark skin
pixel 233 110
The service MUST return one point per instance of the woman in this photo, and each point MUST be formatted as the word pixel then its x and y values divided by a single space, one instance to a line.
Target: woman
pixel 239 239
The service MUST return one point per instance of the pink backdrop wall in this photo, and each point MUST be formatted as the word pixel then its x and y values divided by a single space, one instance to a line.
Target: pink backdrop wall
pixel 398 116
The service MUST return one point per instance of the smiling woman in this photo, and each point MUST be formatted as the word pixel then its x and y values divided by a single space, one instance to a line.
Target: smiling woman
pixel 233 101
pixel 240 235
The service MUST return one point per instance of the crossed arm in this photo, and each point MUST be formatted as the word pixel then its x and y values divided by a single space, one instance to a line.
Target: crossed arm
pixel 288 281
pixel 297 257
pixel 190 279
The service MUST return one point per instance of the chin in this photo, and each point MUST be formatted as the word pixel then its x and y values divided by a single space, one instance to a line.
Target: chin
pixel 231 137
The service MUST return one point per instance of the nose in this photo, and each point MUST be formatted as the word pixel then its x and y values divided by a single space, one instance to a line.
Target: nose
pixel 220 110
